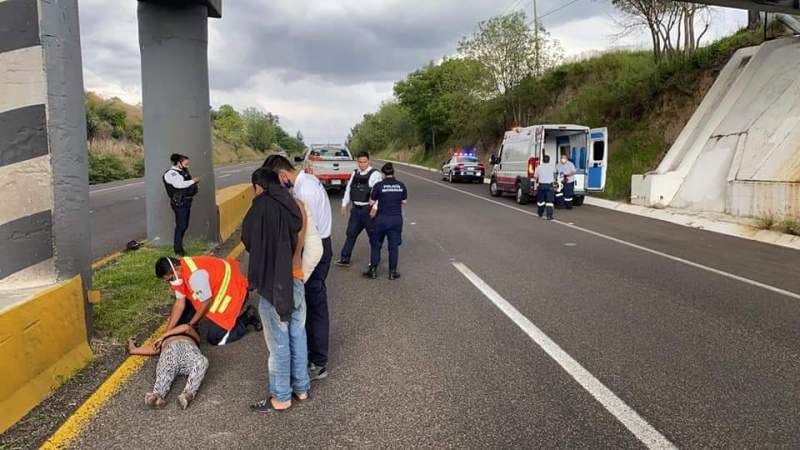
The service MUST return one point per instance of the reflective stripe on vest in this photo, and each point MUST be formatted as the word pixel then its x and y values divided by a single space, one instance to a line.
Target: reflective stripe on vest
pixel 221 300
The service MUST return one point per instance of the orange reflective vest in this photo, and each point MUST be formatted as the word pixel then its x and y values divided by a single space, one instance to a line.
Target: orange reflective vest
pixel 228 288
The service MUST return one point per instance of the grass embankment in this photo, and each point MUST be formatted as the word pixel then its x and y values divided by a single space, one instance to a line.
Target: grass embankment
pixel 133 299
pixel 644 104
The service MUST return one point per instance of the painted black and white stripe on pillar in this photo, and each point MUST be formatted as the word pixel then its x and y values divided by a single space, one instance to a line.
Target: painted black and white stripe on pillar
pixel 26 178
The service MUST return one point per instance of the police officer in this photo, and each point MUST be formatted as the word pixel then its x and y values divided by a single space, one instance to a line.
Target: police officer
pixel 566 172
pixel 387 199
pixel 181 187
pixel 358 192
pixel 544 178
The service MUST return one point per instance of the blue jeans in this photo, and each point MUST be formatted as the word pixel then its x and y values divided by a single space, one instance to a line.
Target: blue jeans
pixel 288 350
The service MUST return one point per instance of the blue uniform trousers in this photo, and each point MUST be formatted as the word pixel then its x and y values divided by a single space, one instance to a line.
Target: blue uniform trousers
pixel 359 221
pixel 545 197
pixel 564 198
pixel 391 229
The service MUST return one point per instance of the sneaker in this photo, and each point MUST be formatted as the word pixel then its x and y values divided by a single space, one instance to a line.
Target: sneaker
pixel 266 406
pixel 371 273
pixel 316 372
pixel 343 263
pixel 250 318
pixel 394 275
pixel 185 398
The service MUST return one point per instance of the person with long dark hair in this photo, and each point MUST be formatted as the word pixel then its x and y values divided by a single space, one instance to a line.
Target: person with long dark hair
pixel 181 188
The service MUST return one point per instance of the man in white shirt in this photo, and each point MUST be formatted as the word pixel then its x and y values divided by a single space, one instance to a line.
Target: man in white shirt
pixel 358 191
pixel 309 190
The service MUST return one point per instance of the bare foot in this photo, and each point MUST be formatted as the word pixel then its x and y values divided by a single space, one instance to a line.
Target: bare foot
pixel 154 400
pixel 280 406
pixel 185 398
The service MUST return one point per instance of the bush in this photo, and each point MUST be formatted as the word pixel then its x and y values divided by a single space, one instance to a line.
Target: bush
pixel 106 168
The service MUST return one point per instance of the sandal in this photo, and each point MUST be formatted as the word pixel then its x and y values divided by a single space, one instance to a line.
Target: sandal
pixel 299 399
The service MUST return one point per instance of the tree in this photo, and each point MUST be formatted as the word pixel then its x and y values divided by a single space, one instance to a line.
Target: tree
pixel 510 52
pixel 259 128
pixel 229 125
pixel 671 24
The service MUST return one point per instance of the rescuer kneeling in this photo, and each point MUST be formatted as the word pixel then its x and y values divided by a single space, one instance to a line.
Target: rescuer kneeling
pixel 210 287
pixel 387 199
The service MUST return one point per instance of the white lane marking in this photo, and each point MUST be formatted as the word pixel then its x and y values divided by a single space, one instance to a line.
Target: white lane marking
pixel 719 272
pixel 645 432
pixel 570 244
pixel 225 176
pixel 114 188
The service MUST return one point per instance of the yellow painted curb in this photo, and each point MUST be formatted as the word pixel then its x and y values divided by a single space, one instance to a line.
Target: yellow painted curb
pixel 75 423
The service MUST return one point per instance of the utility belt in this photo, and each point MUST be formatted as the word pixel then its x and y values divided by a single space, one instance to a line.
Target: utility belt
pixel 180 201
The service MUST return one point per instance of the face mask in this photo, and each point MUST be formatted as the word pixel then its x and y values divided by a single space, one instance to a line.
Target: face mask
pixel 177 281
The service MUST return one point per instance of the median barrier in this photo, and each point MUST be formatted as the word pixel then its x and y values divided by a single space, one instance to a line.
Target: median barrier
pixel 42 343
pixel 233 203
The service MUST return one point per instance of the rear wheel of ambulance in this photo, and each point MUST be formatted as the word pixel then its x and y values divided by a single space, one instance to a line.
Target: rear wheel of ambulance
pixel 577 200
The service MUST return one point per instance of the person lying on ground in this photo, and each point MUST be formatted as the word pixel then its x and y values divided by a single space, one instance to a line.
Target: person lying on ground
pixel 179 355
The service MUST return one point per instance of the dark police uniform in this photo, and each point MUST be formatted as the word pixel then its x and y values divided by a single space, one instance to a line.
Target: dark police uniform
pixel 390 194
pixel 359 191
pixel 181 202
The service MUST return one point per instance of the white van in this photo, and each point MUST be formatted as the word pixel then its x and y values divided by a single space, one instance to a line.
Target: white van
pixel 523 149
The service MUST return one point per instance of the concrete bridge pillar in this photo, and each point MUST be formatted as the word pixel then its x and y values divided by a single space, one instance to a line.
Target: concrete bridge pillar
pixel 173 37
pixel 44 185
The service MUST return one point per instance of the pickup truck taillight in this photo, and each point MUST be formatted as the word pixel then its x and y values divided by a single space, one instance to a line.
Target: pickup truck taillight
pixel 532 163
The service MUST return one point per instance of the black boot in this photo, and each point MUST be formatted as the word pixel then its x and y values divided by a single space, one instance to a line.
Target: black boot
pixel 372 272
pixel 393 275
pixel 250 318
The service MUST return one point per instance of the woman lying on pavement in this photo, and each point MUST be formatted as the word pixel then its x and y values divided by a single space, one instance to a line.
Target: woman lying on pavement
pixel 179 355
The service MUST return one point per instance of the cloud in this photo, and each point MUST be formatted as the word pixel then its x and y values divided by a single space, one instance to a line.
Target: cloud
pixel 321 64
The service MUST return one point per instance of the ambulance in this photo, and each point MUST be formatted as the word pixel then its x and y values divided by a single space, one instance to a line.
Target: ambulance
pixel 523 150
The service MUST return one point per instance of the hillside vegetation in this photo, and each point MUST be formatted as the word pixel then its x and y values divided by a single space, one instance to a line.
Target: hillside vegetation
pixel 644 103
pixel 115 135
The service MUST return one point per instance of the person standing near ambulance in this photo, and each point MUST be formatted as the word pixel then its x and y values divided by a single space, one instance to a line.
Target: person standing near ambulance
pixel 358 192
pixel 210 287
pixel 181 188
pixel 566 173
pixel 544 178
pixel 387 198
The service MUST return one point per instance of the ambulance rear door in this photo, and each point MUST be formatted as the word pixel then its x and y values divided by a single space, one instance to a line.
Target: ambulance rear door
pixel 598 160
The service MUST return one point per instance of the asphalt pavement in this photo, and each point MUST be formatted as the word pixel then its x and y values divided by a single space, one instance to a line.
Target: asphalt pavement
pixel 118 213
pixel 600 330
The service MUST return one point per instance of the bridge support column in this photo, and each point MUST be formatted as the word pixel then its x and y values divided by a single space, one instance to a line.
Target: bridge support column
pixel 44 219
pixel 173 37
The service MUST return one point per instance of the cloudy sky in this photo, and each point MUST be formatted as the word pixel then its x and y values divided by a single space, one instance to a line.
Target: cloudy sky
pixel 321 64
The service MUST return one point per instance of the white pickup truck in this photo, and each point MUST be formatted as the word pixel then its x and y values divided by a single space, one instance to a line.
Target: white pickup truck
pixel 331 164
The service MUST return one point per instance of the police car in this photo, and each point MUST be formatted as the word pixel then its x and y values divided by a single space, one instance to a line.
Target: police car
pixel 463 165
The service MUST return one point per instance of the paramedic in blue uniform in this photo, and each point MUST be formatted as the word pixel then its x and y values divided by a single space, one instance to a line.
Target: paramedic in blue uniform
pixel 388 198
pixel 181 188
pixel 544 178
pixel 358 193
pixel 566 172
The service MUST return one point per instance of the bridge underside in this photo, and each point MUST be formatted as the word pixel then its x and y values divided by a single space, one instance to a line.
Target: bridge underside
pixel 778 6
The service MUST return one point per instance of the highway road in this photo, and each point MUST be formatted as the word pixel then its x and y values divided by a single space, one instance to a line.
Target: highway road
pixel 118 213
pixel 598 330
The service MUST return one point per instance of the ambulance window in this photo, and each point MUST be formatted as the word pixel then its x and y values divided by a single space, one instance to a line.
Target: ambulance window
pixel 598 150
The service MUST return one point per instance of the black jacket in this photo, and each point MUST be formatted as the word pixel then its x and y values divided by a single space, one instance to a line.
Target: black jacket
pixel 269 233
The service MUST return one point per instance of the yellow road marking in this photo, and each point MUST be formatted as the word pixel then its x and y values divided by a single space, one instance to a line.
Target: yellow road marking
pixel 74 425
